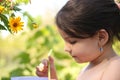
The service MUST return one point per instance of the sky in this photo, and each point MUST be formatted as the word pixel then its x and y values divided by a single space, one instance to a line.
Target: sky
pixel 39 7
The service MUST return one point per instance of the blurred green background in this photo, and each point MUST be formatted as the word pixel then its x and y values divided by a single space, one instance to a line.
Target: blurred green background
pixel 21 53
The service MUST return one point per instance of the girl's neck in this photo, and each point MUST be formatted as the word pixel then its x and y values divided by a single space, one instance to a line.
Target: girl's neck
pixel 105 56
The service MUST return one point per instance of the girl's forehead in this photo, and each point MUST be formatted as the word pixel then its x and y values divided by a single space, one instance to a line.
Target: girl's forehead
pixel 63 34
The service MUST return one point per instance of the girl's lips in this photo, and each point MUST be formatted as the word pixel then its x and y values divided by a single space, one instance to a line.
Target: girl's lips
pixel 74 56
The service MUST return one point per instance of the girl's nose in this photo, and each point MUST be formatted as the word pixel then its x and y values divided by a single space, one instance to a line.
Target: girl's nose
pixel 67 48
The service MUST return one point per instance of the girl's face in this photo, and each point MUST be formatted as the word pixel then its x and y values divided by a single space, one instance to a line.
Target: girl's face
pixel 82 50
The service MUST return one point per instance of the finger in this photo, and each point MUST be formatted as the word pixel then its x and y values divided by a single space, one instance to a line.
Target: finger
pixel 53 74
pixel 45 69
pixel 45 62
pixel 41 74
pixel 51 60
pixel 43 66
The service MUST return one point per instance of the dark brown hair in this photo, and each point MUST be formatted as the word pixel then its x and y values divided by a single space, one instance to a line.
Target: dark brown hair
pixel 83 18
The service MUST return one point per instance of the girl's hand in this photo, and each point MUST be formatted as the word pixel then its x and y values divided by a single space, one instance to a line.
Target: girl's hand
pixel 43 71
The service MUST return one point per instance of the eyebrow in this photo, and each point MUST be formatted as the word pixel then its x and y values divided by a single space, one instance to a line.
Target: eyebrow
pixel 67 37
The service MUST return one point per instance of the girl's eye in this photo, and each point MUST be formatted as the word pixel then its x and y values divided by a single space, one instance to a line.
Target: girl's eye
pixel 73 42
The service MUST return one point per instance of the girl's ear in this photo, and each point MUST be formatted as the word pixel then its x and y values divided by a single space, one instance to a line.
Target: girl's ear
pixel 103 37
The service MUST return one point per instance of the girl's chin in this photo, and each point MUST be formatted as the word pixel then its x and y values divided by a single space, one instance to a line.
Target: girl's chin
pixel 79 61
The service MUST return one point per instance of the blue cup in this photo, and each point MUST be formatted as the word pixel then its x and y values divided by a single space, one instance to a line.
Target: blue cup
pixel 29 78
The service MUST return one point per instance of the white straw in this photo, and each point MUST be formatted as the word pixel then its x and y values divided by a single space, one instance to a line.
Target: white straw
pixel 50 52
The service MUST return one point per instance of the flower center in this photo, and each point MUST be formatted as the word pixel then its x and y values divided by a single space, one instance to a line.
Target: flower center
pixel 15 24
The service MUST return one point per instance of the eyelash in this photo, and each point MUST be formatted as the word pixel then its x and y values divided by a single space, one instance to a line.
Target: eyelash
pixel 73 42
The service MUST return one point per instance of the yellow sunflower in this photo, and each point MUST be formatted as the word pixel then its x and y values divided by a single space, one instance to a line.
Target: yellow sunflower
pixel 16 24
pixel 1 9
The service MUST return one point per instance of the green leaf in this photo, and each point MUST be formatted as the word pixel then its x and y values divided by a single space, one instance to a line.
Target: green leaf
pixel 2 27
pixel 12 15
pixel 28 69
pixel 49 28
pixel 5 78
pixel 38 34
pixel 68 76
pixel 15 8
pixel 23 1
pixel 23 57
pixel 4 19
pixel 17 72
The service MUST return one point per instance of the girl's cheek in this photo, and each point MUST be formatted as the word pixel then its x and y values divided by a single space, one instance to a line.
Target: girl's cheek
pixel 86 50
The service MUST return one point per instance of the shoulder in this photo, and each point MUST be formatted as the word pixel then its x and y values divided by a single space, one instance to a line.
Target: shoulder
pixel 113 70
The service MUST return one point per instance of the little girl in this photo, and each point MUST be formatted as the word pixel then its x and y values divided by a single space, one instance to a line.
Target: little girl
pixel 89 28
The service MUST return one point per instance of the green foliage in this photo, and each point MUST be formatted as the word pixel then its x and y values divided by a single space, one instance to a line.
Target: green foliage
pixel 116 47
pixel 23 1
pixel 17 72
pixel 23 58
pixel 5 21
pixel 2 27
pixel 32 21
